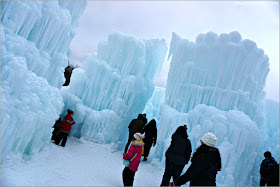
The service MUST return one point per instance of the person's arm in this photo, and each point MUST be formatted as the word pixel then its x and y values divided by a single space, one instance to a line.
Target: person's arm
pixel 130 153
pixel 197 166
pixel 188 151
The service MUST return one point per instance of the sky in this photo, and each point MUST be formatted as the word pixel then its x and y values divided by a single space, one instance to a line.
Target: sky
pixel 254 20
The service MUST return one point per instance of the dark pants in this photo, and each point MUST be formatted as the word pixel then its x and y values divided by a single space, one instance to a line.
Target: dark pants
pixel 128 177
pixel 62 136
pixel 55 134
pixel 130 137
pixel 171 170
pixel 147 148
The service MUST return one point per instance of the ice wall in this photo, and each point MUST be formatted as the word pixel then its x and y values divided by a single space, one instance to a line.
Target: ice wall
pixel 114 86
pixel 216 84
pixel 222 71
pixel 50 26
pixel 35 40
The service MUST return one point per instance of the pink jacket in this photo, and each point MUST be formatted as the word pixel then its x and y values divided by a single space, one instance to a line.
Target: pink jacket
pixel 136 147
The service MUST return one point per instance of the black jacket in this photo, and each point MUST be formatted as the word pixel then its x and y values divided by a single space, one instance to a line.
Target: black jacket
pixel 180 150
pixel 150 132
pixel 202 171
pixel 136 125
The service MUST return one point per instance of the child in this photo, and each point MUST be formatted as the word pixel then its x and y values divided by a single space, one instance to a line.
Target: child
pixel 135 148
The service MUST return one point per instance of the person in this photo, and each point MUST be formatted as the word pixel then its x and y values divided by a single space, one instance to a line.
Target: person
pixel 136 125
pixel 65 126
pixel 266 168
pixel 150 140
pixel 67 74
pixel 56 129
pixel 177 155
pixel 205 164
pixel 135 148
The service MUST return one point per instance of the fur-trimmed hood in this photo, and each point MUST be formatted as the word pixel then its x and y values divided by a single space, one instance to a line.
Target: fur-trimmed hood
pixel 138 143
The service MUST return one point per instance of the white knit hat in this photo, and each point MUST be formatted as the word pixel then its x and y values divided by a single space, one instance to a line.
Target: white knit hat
pixel 138 136
pixel 209 139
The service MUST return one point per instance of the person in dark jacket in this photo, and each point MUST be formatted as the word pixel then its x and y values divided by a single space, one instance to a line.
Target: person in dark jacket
pixel 65 128
pixel 67 74
pixel 266 168
pixel 56 129
pixel 177 155
pixel 136 125
pixel 150 139
pixel 206 162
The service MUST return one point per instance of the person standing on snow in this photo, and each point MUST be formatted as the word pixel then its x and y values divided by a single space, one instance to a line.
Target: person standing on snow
pixel 136 125
pixel 56 130
pixel 150 140
pixel 65 126
pixel 134 152
pixel 177 155
pixel 206 162
pixel 266 168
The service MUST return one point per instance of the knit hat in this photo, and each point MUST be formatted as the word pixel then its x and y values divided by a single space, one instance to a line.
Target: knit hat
pixel 138 136
pixel 209 139
pixel 69 112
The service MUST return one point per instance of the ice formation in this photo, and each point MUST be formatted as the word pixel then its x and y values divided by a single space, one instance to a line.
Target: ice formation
pixel 114 87
pixel 35 39
pixel 216 84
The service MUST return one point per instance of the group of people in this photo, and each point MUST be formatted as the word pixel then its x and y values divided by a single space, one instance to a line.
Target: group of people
pixel 205 162
pixel 62 128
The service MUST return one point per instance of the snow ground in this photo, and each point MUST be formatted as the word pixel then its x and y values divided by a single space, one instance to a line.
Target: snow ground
pixel 79 163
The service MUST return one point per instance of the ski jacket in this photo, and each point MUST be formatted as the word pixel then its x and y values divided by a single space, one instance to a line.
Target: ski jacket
pixel 150 131
pixel 180 150
pixel 202 171
pixel 66 123
pixel 135 147
pixel 136 125
pixel 266 165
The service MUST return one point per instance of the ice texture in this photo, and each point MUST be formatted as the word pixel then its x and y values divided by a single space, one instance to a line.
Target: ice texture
pixel 114 86
pixel 35 40
pixel 216 84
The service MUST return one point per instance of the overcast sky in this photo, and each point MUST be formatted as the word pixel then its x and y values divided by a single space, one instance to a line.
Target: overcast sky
pixel 257 21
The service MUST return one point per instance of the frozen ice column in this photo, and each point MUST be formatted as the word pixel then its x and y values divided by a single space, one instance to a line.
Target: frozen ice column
pixel 222 71
pixel 119 79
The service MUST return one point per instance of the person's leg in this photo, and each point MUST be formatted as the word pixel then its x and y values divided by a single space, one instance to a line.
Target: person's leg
pixel 147 148
pixel 167 173
pixel 130 137
pixel 64 139
pixel 57 141
pixel 177 171
pixel 128 177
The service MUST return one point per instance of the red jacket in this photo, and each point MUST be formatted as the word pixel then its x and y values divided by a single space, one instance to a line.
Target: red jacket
pixel 136 147
pixel 66 123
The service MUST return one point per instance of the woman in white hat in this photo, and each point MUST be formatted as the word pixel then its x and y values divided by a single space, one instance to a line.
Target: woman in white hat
pixel 206 162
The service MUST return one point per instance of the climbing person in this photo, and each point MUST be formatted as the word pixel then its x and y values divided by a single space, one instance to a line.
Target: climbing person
pixel 67 74
pixel 65 128
pixel 266 168
pixel 136 125
pixel 205 164
pixel 177 155
pixel 150 140
pixel 56 129
pixel 134 155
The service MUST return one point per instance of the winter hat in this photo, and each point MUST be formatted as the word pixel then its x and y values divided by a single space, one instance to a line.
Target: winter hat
pixel 138 136
pixel 209 139
pixel 69 112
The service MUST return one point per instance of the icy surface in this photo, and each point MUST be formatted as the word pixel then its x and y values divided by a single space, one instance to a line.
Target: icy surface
pixel 222 71
pixel 114 86
pixel 80 163
pixel 35 39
